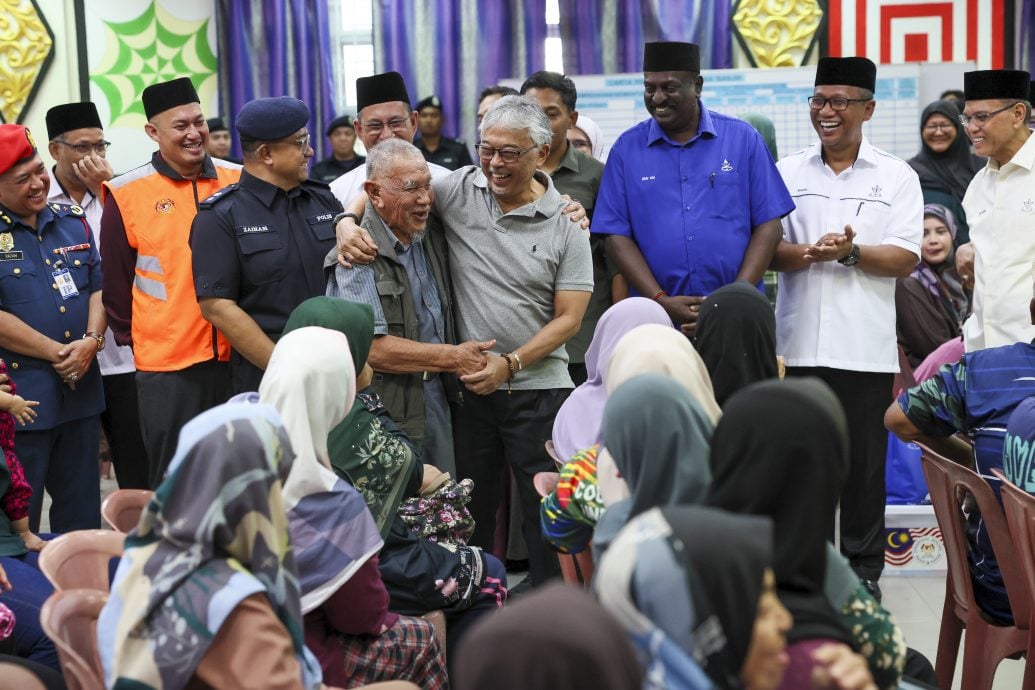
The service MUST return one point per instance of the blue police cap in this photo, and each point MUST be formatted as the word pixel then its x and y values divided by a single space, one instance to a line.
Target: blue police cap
pixel 269 119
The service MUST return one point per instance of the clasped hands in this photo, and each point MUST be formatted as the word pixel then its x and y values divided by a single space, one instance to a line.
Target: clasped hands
pixel 72 361
pixel 831 247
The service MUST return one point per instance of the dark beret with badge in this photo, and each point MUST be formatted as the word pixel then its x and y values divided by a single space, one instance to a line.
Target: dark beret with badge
pixel 16 146
pixel 847 71
pixel 381 88
pixel 166 95
pixel 270 119
pixel 216 124
pixel 671 56
pixel 71 116
pixel 343 121
pixel 429 102
pixel 994 84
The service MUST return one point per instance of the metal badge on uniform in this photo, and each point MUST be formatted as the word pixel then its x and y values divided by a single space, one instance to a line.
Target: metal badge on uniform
pixel 6 245
pixel 65 284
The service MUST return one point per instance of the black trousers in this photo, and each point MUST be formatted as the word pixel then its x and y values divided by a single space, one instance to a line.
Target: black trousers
pixel 865 396
pixel 169 399
pixel 121 423
pixel 501 429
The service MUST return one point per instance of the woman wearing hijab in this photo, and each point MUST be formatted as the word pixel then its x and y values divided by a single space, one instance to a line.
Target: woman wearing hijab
pixel 582 647
pixel 310 381
pixel 945 164
pixel 736 338
pixel 588 137
pixel 694 589
pixel 781 451
pixel 658 437
pixel 368 450
pixel 931 303
pixel 207 592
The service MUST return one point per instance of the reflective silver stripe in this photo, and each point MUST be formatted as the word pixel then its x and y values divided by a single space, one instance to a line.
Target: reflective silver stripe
pixel 151 264
pixel 150 287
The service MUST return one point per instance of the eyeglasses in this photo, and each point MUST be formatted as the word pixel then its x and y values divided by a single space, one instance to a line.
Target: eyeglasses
pixel 82 149
pixel 982 118
pixel 486 153
pixel 301 142
pixel 837 103
pixel 948 126
pixel 397 124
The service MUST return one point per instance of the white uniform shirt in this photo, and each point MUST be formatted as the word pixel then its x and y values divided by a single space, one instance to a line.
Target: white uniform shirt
pixel 113 359
pixel 829 315
pixel 348 186
pixel 1000 207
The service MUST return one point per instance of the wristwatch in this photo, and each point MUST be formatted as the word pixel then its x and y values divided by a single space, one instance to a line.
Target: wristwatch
pixel 99 337
pixel 341 216
pixel 852 258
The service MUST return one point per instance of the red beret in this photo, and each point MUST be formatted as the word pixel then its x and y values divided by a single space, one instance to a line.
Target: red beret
pixel 16 146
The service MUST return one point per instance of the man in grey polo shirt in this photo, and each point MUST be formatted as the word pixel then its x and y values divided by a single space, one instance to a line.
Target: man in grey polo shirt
pixel 408 286
pixel 522 274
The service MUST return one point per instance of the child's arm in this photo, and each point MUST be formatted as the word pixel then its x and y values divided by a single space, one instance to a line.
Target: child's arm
pixel 18 407
pixel 21 528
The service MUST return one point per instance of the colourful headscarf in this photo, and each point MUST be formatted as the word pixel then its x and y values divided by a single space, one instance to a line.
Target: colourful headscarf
pixel 215 533
pixel 311 382
pixel 942 281
pixel 577 425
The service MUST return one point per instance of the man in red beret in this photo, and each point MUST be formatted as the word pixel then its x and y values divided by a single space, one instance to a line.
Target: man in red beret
pixel 51 328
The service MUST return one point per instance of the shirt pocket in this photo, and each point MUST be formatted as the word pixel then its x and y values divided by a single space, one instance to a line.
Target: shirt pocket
pixel 20 285
pixel 726 199
pixel 391 295
pixel 323 230
pixel 869 221
pixel 262 257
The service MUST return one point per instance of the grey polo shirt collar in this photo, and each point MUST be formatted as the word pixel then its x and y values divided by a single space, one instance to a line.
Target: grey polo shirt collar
pixel 548 200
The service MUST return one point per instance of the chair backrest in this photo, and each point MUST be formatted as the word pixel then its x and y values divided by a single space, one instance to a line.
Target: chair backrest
pixel 948 483
pixel 70 619
pixel 1019 507
pixel 122 508
pixel 546 482
pixel 80 560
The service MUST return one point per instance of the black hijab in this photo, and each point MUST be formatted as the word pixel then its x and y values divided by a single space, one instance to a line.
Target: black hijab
pixel 736 338
pixel 781 450
pixel 952 170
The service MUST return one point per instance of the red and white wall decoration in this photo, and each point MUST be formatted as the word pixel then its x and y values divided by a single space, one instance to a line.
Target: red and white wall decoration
pixel 897 31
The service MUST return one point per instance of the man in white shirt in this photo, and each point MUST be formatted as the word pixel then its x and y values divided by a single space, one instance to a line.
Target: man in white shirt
pixel 856 227
pixel 78 148
pixel 1000 207
pixel 384 113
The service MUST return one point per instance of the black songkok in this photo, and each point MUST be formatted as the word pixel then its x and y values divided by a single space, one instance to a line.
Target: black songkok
pixel 70 116
pixel 381 88
pixel 987 84
pixel 847 71
pixel 671 56
pixel 158 98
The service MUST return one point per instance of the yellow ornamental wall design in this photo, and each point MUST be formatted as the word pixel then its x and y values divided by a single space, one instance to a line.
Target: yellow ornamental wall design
pixel 777 33
pixel 26 45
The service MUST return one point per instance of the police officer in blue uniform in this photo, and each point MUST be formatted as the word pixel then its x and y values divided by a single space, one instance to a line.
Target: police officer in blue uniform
pixel 449 153
pixel 51 328
pixel 258 245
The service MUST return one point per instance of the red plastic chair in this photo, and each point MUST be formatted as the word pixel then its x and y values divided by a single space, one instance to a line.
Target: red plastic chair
pixel 576 569
pixel 122 508
pixel 79 560
pixel 70 619
pixel 986 644
pixel 1019 507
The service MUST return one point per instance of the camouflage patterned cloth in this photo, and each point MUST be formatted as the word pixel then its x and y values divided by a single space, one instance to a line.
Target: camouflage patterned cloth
pixel 215 533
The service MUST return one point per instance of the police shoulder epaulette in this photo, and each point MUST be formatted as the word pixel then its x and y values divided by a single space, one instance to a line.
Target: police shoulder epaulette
pixel 229 189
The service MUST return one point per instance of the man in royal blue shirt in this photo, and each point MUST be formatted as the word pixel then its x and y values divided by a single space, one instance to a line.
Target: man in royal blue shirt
pixel 690 199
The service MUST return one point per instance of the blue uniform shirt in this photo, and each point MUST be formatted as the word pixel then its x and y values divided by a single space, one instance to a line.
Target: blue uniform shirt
pixel 690 207
pixel 28 291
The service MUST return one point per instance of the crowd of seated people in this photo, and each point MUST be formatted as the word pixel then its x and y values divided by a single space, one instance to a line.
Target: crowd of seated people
pixel 403 331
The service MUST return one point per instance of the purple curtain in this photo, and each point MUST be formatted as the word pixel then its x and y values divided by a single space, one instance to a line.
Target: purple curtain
pixel 1026 30
pixel 607 36
pixel 276 48
pixel 455 48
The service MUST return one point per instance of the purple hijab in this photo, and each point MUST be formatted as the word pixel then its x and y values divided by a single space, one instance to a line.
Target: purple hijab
pixel 577 425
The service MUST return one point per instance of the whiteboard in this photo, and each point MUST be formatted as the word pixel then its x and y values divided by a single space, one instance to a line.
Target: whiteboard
pixel 615 102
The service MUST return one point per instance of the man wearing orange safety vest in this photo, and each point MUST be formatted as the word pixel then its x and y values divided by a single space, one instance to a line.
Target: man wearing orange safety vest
pixel 181 359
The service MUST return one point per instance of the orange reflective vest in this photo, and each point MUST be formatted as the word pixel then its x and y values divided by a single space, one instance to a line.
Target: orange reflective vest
pixel 169 332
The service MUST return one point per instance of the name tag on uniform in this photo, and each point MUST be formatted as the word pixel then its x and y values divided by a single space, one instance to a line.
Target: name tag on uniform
pixel 252 229
pixel 12 256
pixel 65 284
pixel 322 218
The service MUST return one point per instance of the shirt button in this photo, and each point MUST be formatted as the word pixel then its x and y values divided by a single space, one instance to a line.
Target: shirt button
pixel 46 261
pixel 62 309
pixel 54 285
pixel 40 237
pixel 14 365
pixel 687 208
pixel 17 271
pixel 77 262
pixel 684 178
pixel 68 334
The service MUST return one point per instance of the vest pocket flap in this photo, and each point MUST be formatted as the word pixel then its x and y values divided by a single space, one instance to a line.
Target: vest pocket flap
pixel 252 242
pixel 389 288
pixel 323 230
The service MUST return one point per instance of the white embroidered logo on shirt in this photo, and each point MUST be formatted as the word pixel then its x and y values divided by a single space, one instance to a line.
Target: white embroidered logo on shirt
pixel 1028 206
pixel 876 191
pixel 647 178
pixel 726 166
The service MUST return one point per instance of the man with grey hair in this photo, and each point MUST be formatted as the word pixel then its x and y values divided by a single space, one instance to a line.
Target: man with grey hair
pixel 522 274
pixel 408 287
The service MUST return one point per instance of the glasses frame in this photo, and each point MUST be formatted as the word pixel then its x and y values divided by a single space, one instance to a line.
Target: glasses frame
pixel 301 143
pixel 984 117
pixel 99 149
pixel 376 127
pixel 950 126
pixel 830 101
pixel 506 155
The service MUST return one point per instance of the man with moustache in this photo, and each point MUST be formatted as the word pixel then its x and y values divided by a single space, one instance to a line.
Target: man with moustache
pixel 258 245
pixel 149 298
